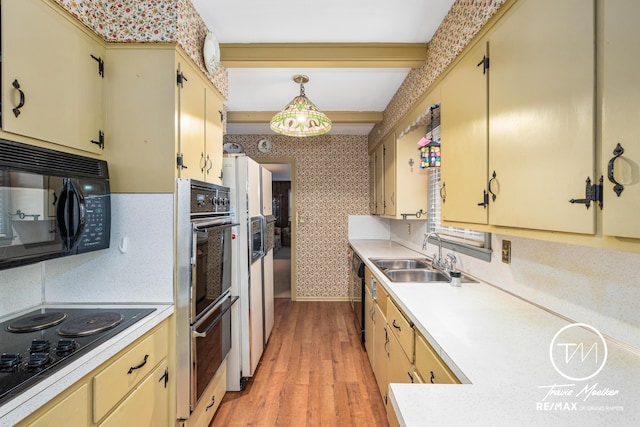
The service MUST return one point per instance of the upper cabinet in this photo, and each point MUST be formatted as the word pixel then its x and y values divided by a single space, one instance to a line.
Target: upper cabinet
pixel 464 139
pixel 163 117
pixel 52 76
pixel 516 153
pixel 620 126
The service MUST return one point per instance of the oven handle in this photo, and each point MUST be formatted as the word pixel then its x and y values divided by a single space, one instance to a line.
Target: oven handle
pixel 203 225
pixel 197 334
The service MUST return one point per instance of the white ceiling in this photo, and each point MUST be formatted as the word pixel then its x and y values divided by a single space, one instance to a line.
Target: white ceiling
pixel 344 21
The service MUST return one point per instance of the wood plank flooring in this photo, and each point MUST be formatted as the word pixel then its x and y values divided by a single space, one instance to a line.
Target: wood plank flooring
pixel 314 372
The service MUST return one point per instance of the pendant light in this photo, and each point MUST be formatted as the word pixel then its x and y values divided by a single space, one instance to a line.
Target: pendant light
pixel 300 117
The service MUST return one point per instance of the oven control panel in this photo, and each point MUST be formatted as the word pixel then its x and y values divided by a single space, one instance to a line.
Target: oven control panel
pixel 210 199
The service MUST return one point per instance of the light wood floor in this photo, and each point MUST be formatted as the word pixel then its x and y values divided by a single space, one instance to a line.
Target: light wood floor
pixel 314 372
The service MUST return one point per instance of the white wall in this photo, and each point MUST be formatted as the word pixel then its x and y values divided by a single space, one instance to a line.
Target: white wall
pixel 594 286
pixel 140 272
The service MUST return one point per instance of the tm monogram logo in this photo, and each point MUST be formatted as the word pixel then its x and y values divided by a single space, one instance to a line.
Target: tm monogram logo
pixel 578 352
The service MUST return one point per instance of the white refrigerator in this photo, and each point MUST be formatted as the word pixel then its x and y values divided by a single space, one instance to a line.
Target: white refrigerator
pixel 243 176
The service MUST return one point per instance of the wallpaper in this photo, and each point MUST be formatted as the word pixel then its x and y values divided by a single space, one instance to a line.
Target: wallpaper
pixel 148 21
pixel 464 20
pixel 332 176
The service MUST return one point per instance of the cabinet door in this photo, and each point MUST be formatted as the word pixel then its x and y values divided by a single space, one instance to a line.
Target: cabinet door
pixel 147 405
pixel 369 318
pixel 541 115
pixel 400 369
pixel 213 135
pixel 430 366
pixel 390 195
pixel 621 87
pixel 50 58
pixel 372 184
pixel 192 114
pixel 381 352
pixel 379 155
pixel 464 139
pixel 266 192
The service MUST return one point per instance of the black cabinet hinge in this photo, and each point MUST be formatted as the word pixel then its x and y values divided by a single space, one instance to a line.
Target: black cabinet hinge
pixel 100 141
pixel 165 377
pixel 180 162
pixel 592 193
pixel 221 115
pixel 100 65
pixel 485 200
pixel 180 78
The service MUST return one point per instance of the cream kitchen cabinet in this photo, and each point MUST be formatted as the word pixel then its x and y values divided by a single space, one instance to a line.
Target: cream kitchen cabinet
pixel 134 385
pixel 381 339
pixel 372 184
pixel 621 87
pixel 70 410
pixel 463 123
pixel 540 121
pixel 369 316
pixel 430 366
pixel 203 414
pixel 52 76
pixel 163 118
pixel 378 161
pixel 200 124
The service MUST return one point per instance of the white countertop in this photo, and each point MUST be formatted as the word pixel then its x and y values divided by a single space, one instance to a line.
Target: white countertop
pixel 33 398
pixel 498 345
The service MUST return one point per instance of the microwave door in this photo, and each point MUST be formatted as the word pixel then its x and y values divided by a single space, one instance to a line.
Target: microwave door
pixel 70 214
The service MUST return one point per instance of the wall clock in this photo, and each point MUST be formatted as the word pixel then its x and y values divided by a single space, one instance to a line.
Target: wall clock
pixel 211 53
pixel 264 145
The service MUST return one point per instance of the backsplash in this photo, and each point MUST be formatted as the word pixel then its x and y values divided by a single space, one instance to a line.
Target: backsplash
pixel 590 285
pixel 332 178
pixel 137 266
pixel 149 21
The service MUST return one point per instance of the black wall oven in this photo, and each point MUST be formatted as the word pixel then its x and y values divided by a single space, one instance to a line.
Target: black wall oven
pixel 52 204
pixel 203 303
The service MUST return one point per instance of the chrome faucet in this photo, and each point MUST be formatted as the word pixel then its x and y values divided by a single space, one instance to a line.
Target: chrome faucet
pixel 435 262
pixel 450 265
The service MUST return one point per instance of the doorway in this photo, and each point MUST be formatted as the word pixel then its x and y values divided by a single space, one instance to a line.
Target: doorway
pixel 283 184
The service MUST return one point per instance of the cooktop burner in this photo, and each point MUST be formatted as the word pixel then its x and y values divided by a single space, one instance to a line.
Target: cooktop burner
pixel 90 324
pixel 43 341
pixel 35 322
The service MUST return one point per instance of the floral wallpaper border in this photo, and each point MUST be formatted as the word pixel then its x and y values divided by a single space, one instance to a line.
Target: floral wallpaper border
pixel 148 21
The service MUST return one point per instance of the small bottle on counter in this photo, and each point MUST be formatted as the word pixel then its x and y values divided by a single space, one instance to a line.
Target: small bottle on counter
pixel 456 277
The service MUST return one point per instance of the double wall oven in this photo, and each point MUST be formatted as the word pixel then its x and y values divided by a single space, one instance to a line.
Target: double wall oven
pixel 203 300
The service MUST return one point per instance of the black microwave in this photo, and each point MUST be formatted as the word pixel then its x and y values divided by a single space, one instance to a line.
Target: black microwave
pixel 52 204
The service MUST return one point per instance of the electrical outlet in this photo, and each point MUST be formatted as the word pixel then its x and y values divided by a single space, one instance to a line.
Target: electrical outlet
pixel 506 251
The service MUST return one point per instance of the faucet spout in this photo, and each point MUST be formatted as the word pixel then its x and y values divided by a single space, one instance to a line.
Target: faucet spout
pixel 437 262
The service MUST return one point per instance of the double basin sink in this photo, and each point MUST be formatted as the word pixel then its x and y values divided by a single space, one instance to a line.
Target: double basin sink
pixel 413 270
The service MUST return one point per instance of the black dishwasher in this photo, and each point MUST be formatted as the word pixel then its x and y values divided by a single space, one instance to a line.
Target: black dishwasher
pixel 356 290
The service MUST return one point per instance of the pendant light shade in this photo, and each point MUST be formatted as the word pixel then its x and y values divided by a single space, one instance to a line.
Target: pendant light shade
pixel 300 117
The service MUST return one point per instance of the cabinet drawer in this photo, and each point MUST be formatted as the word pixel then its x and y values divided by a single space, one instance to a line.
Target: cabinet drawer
pixel 430 366
pixel 147 405
pixel 211 398
pixel 71 411
pixel 401 328
pixel 115 381
pixel 381 297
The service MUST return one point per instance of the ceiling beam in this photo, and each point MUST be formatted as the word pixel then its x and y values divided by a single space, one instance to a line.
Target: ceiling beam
pixel 335 116
pixel 323 55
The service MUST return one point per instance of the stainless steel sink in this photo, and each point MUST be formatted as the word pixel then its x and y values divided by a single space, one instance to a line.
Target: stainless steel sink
pixel 401 264
pixel 416 276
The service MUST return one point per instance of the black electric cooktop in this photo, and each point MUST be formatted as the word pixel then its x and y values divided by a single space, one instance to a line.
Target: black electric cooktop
pixel 36 344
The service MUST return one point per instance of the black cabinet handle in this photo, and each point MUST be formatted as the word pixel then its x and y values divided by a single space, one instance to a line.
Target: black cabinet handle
pixel 433 377
pixel 144 362
pixel 396 325
pixel 16 110
pixel 443 192
pixel 493 195
pixel 213 401
pixel 617 152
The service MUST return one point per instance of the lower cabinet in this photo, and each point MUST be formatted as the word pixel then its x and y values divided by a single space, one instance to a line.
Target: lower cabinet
pixel 399 353
pixel 369 317
pixel 71 411
pixel 133 389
